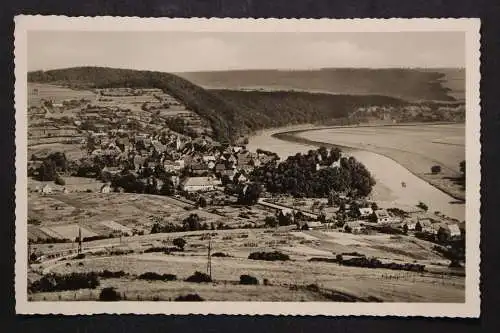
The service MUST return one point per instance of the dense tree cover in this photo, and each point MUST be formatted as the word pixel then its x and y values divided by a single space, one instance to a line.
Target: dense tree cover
pixel 300 176
pixel 262 109
pixel 52 164
pixel 249 194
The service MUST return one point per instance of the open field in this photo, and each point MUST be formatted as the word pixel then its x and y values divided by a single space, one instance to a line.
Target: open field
pixel 287 281
pixel 57 94
pixel 73 151
pixel 417 148
pixel 104 213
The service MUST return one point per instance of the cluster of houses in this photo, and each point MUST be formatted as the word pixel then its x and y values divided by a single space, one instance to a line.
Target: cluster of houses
pixel 411 112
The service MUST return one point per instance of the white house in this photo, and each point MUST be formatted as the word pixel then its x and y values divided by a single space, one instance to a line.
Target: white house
pixel 105 188
pixel 365 212
pixel 383 216
pixel 354 227
pixel 47 189
pixel 198 184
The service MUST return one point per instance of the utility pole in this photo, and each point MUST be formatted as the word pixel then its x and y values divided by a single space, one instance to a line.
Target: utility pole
pixel 79 240
pixel 209 259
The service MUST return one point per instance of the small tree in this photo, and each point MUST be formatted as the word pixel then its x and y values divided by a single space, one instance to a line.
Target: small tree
pixel 423 206
pixel 180 243
pixel 435 169
pixel 271 221
pixel 109 294
pixel 60 181
pixel 202 202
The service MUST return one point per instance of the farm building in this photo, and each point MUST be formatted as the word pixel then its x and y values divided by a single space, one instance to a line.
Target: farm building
pixel 383 216
pixel 365 212
pixel 195 184
pixel 47 189
pixel 425 225
pixel 354 227
pixel 410 225
pixel 447 232
pixel 311 225
pixel 106 188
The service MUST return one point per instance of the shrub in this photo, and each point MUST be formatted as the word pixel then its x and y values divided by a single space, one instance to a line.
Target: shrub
pixel 180 243
pixel 248 279
pixel 265 282
pixel 313 287
pixel 156 249
pixel 269 256
pixel 436 169
pixel 60 181
pixel 79 256
pixel 189 298
pixel 152 276
pixel 109 294
pixel 320 259
pixel 220 254
pixel 109 274
pixel 199 277
pixel 59 282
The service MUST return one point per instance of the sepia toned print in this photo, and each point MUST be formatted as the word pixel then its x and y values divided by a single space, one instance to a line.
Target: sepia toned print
pixel 247 166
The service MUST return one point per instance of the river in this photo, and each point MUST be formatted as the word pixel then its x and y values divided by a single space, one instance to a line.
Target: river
pixel 388 174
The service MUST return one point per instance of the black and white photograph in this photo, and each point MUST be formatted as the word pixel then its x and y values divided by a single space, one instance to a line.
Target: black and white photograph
pixel 247 166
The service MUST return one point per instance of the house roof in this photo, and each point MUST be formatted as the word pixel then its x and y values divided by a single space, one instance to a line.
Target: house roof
pixel 201 181
pixel 353 224
pixel 366 211
pixel 382 213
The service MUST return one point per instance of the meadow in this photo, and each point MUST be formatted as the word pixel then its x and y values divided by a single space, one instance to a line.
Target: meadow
pixel 296 280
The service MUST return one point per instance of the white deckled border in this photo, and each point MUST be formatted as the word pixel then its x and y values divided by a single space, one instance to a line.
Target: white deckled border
pixel 471 307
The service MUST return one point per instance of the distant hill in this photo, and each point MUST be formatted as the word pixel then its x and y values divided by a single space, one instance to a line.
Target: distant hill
pixel 408 84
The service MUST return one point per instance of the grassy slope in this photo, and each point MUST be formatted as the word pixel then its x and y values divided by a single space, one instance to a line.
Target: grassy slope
pixel 408 84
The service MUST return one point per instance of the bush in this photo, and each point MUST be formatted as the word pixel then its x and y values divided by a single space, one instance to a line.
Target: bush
pixel 189 298
pixel 79 256
pixel 321 259
pixel 109 294
pixel 152 276
pixel 269 256
pixel 180 243
pixel 220 254
pixel 59 282
pixel 156 249
pixel 248 279
pixel 109 274
pixel 313 287
pixel 436 169
pixel 60 181
pixel 199 277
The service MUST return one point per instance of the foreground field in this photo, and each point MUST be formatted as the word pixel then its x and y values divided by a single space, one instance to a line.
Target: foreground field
pixel 296 280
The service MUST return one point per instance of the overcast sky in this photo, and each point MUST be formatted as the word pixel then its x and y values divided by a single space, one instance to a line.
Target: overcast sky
pixel 205 51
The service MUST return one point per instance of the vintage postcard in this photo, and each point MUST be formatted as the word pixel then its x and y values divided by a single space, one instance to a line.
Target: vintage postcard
pixel 242 166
